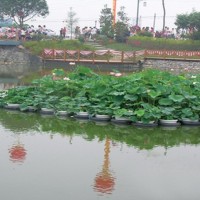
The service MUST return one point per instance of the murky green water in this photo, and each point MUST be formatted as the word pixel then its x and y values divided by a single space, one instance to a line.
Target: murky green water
pixel 51 158
pixel 6 83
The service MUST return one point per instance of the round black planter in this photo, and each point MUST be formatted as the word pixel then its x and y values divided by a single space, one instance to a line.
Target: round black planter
pixel 121 121
pixel 12 106
pixel 170 124
pixel 190 123
pixel 101 118
pixel 32 109
pixel 145 125
pixel 47 111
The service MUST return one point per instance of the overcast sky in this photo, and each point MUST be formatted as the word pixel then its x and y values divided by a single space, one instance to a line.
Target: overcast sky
pixel 88 11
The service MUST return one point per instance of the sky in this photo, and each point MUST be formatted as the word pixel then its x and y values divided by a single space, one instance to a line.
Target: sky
pixel 88 12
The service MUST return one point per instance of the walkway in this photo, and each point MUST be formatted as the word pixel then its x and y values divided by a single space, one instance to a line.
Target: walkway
pixel 10 43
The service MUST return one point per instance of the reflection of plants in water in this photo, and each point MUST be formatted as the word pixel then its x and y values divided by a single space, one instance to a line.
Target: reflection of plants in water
pixel 18 121
pixel 141 138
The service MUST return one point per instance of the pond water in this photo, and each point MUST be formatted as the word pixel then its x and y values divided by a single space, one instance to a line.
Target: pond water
pixel 49 158
pixel 6 83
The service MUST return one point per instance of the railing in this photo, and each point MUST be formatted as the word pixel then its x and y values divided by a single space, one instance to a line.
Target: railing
pixel 103 56
pixel 172 54
pixel 112 56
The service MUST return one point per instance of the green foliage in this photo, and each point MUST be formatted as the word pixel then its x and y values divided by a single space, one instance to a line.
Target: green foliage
pixel 81 39
pixel 163 43
pixel 121 32
pixel 195 35
pixel 122 46
pixel 144 96
pixel 145 34
pixel 23 10
pixel 106 22
pixel 186 21
pixel 121 27
pixel 189 22
pixel 36 47
pixel 58 72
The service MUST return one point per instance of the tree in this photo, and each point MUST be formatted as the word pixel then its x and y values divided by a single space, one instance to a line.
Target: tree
pixel 106 22
pixel 71 21
pixel 189 23
pixel 182 21
pixel 121 27
pixel 23 10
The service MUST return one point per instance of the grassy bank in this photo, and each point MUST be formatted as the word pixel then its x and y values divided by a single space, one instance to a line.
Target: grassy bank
pixel 36 47
pixel 122 46
pixel 163 43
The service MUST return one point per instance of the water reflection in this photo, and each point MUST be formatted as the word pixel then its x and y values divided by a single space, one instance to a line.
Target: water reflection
pixel 158 161
pixel 7 83
pixel 141 138
pixel 17 153
pixel 104 181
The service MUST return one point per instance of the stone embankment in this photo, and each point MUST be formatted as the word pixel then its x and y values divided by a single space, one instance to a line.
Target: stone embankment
pixel 15 61
pixel 174 66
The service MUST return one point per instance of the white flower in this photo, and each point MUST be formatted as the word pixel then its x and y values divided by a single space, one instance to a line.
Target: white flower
pixel 118 74
pixel 53 74
pixel 72 63
pixel 194 83
pixel 66 79
pixel 112 73
pixel 193 76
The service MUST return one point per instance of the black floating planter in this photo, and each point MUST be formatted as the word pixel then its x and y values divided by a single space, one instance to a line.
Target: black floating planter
pixel 12 106
pixel 170 124
pixel 47 111
pixel 32 109
pixel 190 122
pixel 82 115
pixel 141 124
pixel 62 113
pixel 163 122
pixel 101 118
pixel 121 121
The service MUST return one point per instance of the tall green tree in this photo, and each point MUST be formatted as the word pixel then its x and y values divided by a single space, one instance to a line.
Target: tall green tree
pixel 106 22
pixel 189 23
pixel 182 21
pixel 121 27
pixel 71 21
pixel 23 10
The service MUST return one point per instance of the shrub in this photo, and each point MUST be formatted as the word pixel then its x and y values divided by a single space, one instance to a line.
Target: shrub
pixel 163 43
pixel 195 35
pixel 146 34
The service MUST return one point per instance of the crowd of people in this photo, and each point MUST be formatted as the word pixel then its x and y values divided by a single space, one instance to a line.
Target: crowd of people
pixel 166 33
pixel 23 33
pixel 86 32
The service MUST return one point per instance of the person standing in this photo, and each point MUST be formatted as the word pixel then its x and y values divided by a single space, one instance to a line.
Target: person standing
pixel 64 32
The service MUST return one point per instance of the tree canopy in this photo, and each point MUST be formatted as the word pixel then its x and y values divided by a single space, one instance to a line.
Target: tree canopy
pixel 106 22
pixel 23 10
pixel 121 27
pixel 189 23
